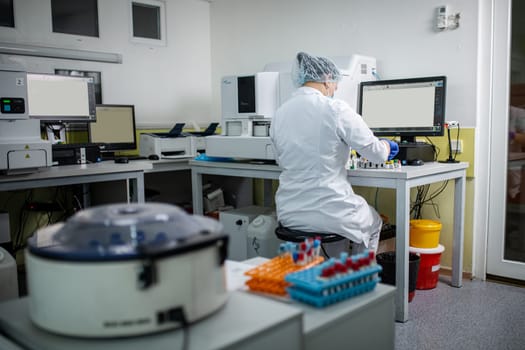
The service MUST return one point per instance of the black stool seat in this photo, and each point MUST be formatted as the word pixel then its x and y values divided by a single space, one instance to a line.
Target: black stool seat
pixel 297 236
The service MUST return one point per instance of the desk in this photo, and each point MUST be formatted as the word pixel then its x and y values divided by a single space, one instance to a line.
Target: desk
pixel 166 165
pixel 6 344
pixel 80 174
pixel 402 180
pixel 362 322
pixel 245 322
pixel 90 173
pixel 365 321
pixel 239 169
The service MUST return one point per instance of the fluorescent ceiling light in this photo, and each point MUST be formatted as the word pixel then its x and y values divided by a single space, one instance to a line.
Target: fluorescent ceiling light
pixel 56 52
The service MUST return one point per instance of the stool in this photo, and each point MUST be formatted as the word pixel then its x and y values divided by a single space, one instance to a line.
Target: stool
pixel 297 236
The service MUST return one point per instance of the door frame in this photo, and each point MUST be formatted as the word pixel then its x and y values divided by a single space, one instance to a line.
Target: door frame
pixel 498 128
pixel 484 92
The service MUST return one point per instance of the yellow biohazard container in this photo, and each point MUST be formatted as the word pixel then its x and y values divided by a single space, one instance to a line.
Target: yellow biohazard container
pixel 424 233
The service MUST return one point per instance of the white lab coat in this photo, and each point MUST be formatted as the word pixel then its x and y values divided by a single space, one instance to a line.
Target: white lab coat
pixel 312 137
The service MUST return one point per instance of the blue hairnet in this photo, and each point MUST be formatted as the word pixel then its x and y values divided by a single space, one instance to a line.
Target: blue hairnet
pixel 313 68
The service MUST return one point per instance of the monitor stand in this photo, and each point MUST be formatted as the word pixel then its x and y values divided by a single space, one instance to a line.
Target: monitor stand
pixel 410 141
pixel 410 149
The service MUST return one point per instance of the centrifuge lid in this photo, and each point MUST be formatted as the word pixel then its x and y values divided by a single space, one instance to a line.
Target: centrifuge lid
pixel 127 231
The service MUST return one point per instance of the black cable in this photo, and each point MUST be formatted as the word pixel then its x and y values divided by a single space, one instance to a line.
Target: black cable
pixel 75 197
pixel 50 213
pixel 436 148
pixel 60 202
pixel 435 206
pixel 22 219
pixel 324 251
pixel 417 207
pixel 422 192
pixel 177 315
pixel 49 218
pixel 457 143
pixel 439 191
pixel 434 195
pixel 255 245
pixel 16 238
pixel 416 204
pixel 375 200
pixel 423 198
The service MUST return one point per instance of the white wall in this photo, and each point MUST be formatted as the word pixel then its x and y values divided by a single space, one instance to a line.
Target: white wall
pixel 247 34
pixel 180 82
pixel 166 83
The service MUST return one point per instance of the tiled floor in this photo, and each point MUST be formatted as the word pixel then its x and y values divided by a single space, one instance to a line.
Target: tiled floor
pixel 480 315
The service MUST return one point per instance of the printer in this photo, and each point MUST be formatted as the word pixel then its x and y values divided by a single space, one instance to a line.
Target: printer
pixel 172 144
pixel 175 143
pixel 199 137
pixel 22 149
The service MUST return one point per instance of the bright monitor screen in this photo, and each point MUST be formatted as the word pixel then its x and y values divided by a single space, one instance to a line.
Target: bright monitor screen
pixel 57 98
pixel 114 128
pixel 404 107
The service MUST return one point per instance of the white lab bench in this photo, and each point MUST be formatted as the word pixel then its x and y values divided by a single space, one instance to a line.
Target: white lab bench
pixel 6 344
pixel 402 180
pixel 168 174
pixel 247 321
pixel 347 324
pixel 80 174
pixel 132 172
pixel 363 322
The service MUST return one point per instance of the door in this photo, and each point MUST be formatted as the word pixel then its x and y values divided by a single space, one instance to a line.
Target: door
pixel 506 236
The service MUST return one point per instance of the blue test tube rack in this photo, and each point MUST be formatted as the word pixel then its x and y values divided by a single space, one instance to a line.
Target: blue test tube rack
pixel 351 276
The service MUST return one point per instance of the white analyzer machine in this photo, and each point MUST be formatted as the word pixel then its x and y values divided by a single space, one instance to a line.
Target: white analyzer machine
pixel 248 104
pixel 22 149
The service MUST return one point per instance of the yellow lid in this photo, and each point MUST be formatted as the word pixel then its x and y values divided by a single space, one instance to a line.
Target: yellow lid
pixel 425 224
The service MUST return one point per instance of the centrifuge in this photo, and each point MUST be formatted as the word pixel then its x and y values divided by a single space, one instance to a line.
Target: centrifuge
pixel 126 269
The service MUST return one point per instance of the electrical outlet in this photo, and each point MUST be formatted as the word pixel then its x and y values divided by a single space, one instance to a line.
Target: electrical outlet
pixel 456 145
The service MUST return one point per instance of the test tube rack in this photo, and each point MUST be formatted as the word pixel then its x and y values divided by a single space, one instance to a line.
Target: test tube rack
pixel 363 163
pixel 269 277
pixel 348 277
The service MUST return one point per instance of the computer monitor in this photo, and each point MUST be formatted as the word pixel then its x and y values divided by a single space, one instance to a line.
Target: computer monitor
pixel 56 98
pixel 404 107
pixel 114 129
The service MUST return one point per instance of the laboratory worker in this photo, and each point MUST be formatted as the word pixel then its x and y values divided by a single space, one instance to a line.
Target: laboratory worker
pixel 312 135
